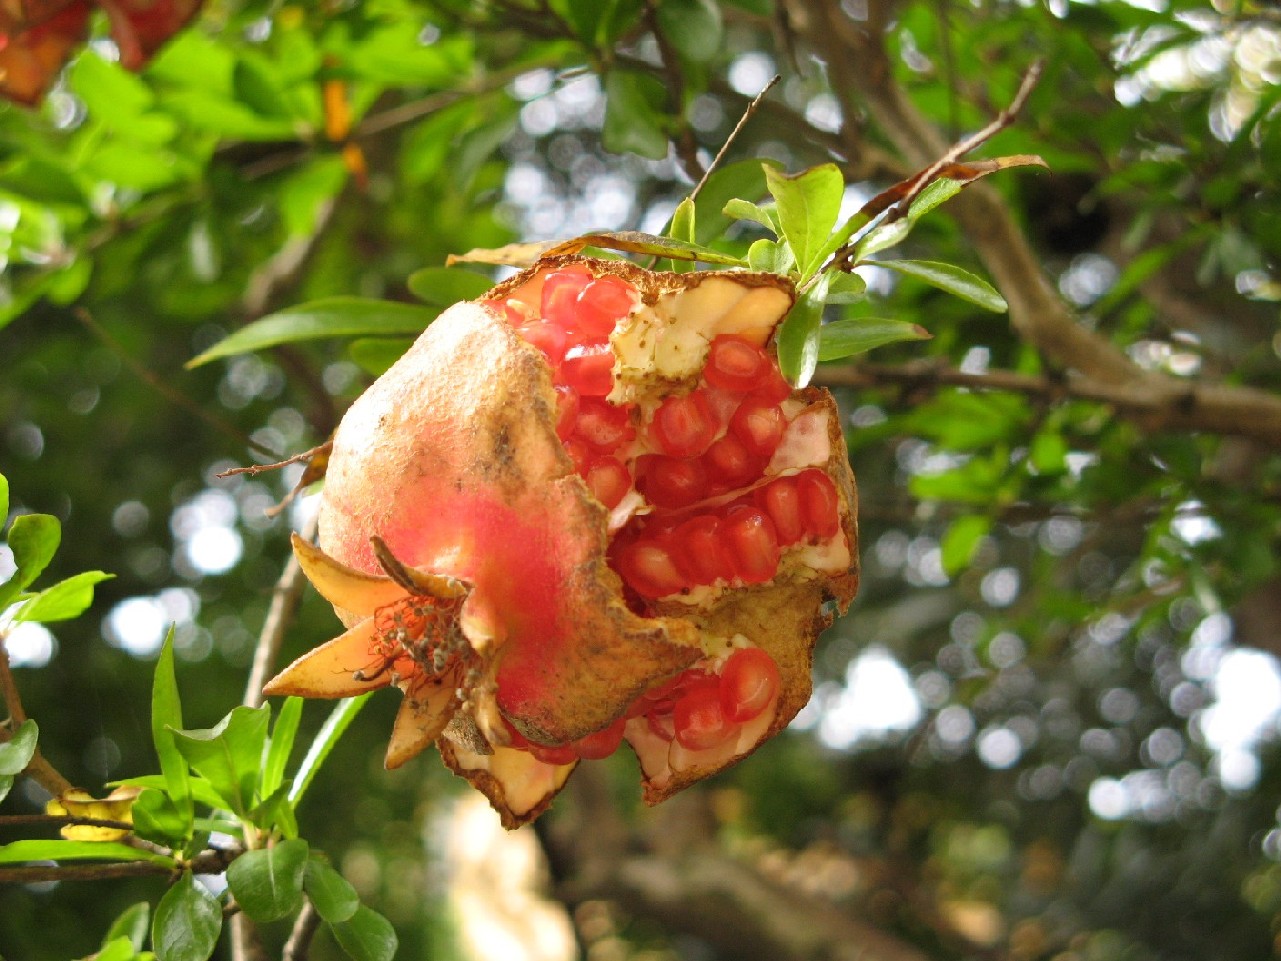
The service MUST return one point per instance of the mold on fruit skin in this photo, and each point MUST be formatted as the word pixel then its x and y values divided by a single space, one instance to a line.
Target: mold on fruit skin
pixel 453 461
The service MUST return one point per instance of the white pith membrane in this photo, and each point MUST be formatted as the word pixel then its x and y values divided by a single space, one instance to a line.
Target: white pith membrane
pixel 534 644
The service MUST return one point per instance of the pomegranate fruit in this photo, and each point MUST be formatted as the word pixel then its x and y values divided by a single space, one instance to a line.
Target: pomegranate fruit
pixel 581 511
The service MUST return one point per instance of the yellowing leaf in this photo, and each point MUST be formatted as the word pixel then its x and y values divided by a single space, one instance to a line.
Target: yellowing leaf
pixel 116 806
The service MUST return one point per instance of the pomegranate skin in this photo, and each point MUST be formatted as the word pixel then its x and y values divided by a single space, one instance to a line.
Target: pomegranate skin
pixel 452 461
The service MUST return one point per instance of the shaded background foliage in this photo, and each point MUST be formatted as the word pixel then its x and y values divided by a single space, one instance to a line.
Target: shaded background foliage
pixel 1047 729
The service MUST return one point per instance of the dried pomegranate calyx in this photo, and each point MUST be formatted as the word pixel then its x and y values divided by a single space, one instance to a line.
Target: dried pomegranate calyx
pixel 485 501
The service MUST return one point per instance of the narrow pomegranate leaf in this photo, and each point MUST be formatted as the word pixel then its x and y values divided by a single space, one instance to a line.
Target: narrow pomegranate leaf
pixel 267 883
pixel 321 319
pixel 444 286
pixel 283 733
pixel 955 280
pixel 682 229
pixel 166 717
pixel 16 753
pixel 799 335
pixel 961 541
pixel 844 338
pixel 131 925
pixel 187 923
pixel 61 602
pixel 33 539
pixel 509 255
pixel 366 936
pixel 846 288
pixel 637 242
pixel 20 852
pixel 808 205
pixel 339 719
pixel 375 354
pixel 4 496
pixel 766 216
pixel 332 895
pixel 229 754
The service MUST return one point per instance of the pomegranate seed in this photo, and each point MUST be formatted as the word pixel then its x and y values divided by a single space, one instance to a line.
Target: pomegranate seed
pixel 781 501
pixel 820 504
pixel 560 295
pixel 749 682
pixel 602 744
pixel 759 425
pixel 566 410
pixel 608 480
pixel 672 481
pixel 648 567
pixel 603 303
pixel 699 719
pixel 579 453
pixel 699 555
pixel 548 338
pixel 752 543
pixel 560 754
pixel 603 425
pixel 736 364
pixel 775 389
pixel 731 464
pixel 589 369
pixel 661 723
pixel 684 426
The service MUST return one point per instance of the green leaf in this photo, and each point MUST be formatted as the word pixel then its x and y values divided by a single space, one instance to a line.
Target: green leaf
pixel 808 205
pixel 846 288
pixel 743 179
pixel 201 791
pixel 1048 453
pixel 6 785
pixel 267 883
pixel 444 286
pixel 110 93
pixel 114 949
pixel 961 541
pixel 798 337
pixel 255 87
pixel 187 923
pixel 333 896
pixel 844 338
pixel 131 924
pixel 16 753
pixel 770 257
pixel 4 501
pixel 331 317
pixel 156 818
pixel 166 717
pixel 276 813
pixel 376 354
pixel 766 216
pixel 955 280
pixel 283 733
pixel 682 228
pixel 634 122
pixel 229 754
pixel 303 195
pixel 63 601
pixel 18 852
pixel 693 27
pixel 34 539
pixel 366 936
pixel 340 717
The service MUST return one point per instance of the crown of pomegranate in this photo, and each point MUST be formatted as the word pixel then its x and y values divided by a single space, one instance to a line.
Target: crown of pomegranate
pixel 584 510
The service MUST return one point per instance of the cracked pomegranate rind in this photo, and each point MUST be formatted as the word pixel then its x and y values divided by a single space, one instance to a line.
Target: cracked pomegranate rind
pixel 586 509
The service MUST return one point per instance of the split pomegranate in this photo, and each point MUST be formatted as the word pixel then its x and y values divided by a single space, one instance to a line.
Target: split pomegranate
pixel 583 511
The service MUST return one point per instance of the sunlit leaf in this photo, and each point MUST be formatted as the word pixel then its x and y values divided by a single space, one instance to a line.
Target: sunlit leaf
pixel 742 180
pixel 808 205
pixel 844 338
pixel 846 288
pixel 283 733
pixel 798 337
pixel 19 852
pixel 267 883
pixel 16 753
pixel 187 922
pixel 955 280
pixel 766 216
pixel 166 717
pixel 229 754
pixel 34 539
pixel 62 601
pixel 320 319
pixel 340 717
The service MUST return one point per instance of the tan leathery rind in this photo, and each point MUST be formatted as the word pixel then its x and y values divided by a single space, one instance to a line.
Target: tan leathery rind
pixel 504 777
pixel 490 447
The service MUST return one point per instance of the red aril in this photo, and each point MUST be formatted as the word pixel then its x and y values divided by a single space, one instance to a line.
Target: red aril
pixel 647 566
pixel 751 542
pixel 608 480
pixel 683 426
pixel 560 754
pixel 749 682
pixel 730 464
pixel 589 369
pixel 699 720
pixel 671 482
pixel 775 389
pixel 602 304
pixel 580 453
pixel 602 743
pixel 820 504
pixel 662 724
pixel 699 553
pixel 560 295
pixel 759 425
pixel 603 425
pixel 781 501
pixel 734 363
pixel 566 410
pixel 548 338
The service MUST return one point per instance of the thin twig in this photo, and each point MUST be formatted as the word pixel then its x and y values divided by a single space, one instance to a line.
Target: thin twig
pixel 175 397
pixel 38 768
pixel 305 927
pixel 742 122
